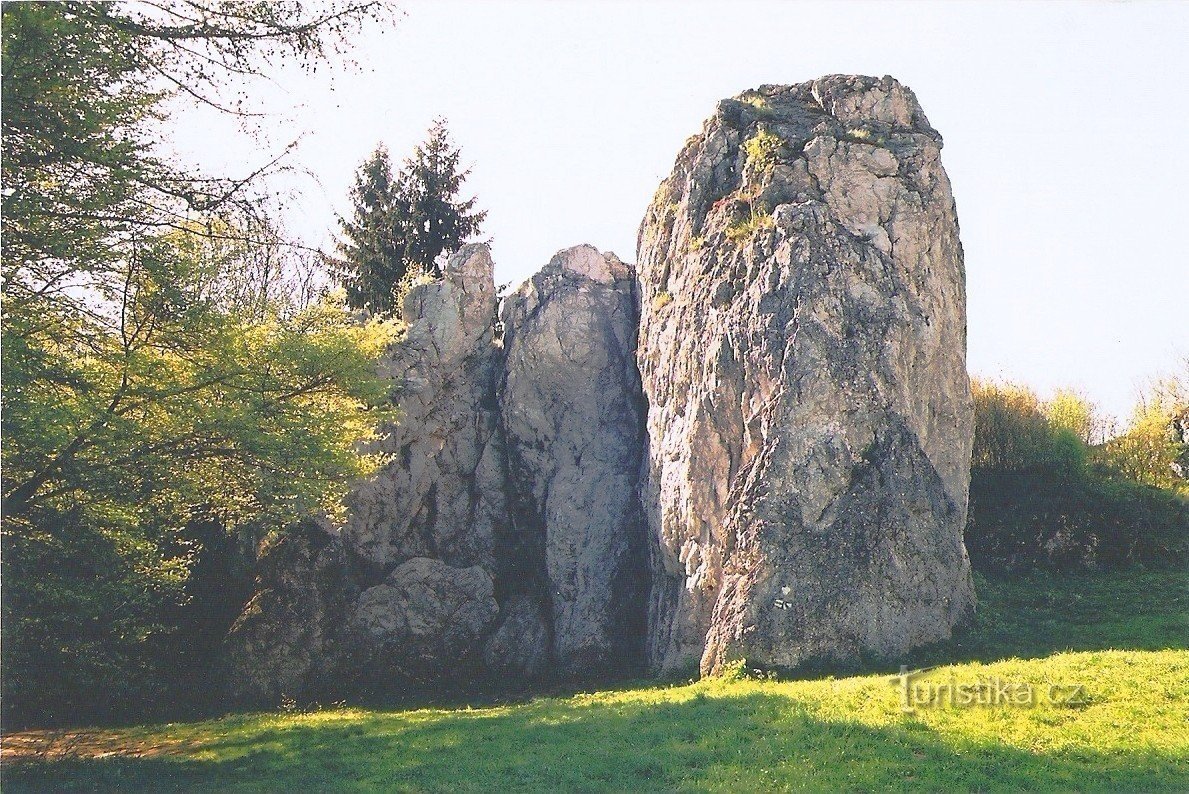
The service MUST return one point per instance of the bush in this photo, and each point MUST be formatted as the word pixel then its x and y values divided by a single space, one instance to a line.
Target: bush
pixel 1041 496
pixel 1014 431
pixel 1155 448
pixel 1050 521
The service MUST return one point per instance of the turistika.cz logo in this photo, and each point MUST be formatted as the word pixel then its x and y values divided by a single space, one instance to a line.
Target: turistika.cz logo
pixel 988 691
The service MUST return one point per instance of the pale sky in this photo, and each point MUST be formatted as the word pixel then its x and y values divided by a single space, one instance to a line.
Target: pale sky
pixel 1066 131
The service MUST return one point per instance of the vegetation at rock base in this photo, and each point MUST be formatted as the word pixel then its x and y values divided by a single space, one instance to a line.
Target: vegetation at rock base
pixel 1046 490
pixel 1119 635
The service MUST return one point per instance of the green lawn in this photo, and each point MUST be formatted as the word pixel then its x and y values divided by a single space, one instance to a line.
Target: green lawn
pixel 1124 638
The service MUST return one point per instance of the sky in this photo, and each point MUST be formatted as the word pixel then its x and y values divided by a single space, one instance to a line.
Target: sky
pixel 1065 129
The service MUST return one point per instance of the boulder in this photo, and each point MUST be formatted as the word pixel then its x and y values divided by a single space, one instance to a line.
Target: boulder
pixel 802 352
pixel 573 420
pixel 424 622
pixel 284 641
pixel 519 650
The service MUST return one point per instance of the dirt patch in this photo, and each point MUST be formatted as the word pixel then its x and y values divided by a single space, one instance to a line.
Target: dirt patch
pixel 56 745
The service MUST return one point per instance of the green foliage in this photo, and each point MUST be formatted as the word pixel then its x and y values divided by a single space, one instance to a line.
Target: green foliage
pixel 161 369
pixel 117 440
pixel 762 151
pixel 734 735
pixel 1155 448
pixel 402 224
pixel 744 229
pixel 1011 432
pixel 1040 496
pixel 661 300
pixel 1072 412
pixel 759 102
pixel 372 244
pixel 439 222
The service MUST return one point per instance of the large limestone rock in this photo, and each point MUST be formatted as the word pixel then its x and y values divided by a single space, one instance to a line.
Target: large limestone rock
pixel 574 422
pixel 404 591
pixel 283 642
pixel 755 447
pixel 802 350
pixel 442 496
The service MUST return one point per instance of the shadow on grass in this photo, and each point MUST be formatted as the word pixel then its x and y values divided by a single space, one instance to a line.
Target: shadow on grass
pixel 1038 614
pixel 746 742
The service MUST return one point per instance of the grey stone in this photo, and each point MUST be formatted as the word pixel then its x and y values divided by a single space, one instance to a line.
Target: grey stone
pixel 442 494
pixel 802 351
pixel 518 651
pixel 283 642
pixel 425 622
pixel 573 418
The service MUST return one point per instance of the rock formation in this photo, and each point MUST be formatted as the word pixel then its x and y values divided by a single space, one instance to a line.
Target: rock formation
pixel 574 422
pixel 443 496
pixel 802 350
pixel 755 448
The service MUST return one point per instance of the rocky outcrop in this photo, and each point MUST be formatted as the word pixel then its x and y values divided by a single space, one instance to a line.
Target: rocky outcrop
pixel 424 622
pixel 284 642
pixel 405 589
pixel 802 349
pixel 573 418
pixel 443 494
pixel 755 448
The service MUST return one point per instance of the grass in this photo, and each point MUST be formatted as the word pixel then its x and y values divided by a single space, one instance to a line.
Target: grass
pixel 1121 636
pixel 743 229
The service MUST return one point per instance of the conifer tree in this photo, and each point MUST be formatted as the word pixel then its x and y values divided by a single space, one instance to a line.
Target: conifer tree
pixel 438 220
pixel 373 239
pixel 402 224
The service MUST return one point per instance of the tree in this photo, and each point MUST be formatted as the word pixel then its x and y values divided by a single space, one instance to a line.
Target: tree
pixel 373 240
pixel 156 377
pixel 402 224
pixel 439 222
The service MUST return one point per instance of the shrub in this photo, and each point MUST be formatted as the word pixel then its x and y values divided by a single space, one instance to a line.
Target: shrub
pixel 1049 521
pixel 762 150
pixel 1070 411
pixel 1035 501
pixel 1155 448
pixel 743 229
pixel 1011 430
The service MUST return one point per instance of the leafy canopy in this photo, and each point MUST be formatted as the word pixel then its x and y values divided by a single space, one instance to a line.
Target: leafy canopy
pixel 165 363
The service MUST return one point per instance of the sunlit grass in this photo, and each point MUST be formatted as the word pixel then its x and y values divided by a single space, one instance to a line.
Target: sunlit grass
pixel 1128 730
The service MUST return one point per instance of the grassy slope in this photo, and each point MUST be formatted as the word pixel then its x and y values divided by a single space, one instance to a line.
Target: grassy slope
pixel 848 733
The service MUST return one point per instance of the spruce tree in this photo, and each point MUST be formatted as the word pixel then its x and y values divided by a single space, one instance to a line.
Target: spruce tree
pixel 374 238
pixel 402 224
pixel 438 220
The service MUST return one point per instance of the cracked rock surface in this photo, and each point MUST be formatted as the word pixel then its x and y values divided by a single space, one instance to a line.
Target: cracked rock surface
pixel 574 424
pixel 802 351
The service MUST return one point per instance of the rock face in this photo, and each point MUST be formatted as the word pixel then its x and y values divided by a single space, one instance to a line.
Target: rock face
pixel 405 590
pixel 802 350
pixel 574 423
pixel 283 643
pixel 443 495
pixel 755 448
pixel 425 615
